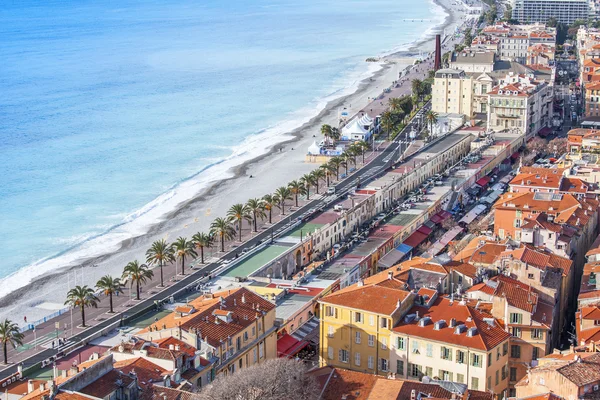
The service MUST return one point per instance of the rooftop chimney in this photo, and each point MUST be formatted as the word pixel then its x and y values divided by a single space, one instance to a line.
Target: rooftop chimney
pixel 390 275
pixel 30 386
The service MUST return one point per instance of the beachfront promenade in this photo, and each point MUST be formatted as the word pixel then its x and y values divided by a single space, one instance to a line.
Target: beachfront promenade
pixel 38 344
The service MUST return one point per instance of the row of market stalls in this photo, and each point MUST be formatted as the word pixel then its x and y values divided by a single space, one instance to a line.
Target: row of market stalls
pixel 414 240
pixel 360 128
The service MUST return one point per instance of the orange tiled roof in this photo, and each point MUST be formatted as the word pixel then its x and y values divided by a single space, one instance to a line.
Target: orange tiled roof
pixel 245 305
pixel 107 384
pixel 146 371
pixel 488 336
pixel 544 180
pixel 165 343
pixel 336 382
pixel 540 259
pixel 372 298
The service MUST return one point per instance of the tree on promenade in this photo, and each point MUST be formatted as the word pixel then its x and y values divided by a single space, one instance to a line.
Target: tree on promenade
pixel 138 274
pixel 109 286
pixel 417 88
pixel 269 202
pixel 336 162
pixel 363 146
pixel 10 334
pixel 432 118
pixel 82 297
pixel 388 122
pixel 202 241
pixel 281 196
pixel 183 248
pixel 297 188
pixel 309 180
pixel 272 380
pixel 329 169
pixel 237 213
pixel 160 253
pixel 256 210
pixel 335 134
pixel 222 229
pixel 320 175
pixel 326 132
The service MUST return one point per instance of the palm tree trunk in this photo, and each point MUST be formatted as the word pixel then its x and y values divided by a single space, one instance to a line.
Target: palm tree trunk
pixel 327 176
pixel 363 154
pixel 270 213
pixel 317 186
pixel 337 173
pixel 283 207
pixel 162 281
pixel 254 220
pixel 307 192
pixel 202 254
pixel 222 244
pixel 240 230
pixel 110 302
pixel 4 345
pixel 296 198
pixel 183 265
pixel 137 289
pixel 82 315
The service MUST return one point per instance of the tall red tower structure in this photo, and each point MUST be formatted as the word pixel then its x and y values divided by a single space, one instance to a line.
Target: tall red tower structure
pixel 438 53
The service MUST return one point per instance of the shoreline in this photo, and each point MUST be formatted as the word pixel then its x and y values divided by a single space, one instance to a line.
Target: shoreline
pixel 220 192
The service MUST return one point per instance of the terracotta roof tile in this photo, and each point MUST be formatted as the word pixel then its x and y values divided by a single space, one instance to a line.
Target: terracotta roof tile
pixel 146 371
pixel 487 336
pixel 165 343
pixel 107 384
pixel 337 382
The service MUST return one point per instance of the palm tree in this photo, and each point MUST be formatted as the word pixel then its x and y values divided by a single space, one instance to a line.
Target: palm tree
pixel 82 297
pixel 202 240
pixel 417 88
pixel 160 253
pixel 395 103
pixel 336 162
pixel 326 131
pixel 238 213
pixel 335 134
pixel 319 174
pixel 431 117
pixel 283 194
pixel 388 122
pixel 10 333
pixel 134 272
pixel 346 158
pixel 296 188
pixel 110 286
pixel 269 202
pixel 256 209
pixel 362 147
pixel 183 248
pixel 222 229
pixel 308 180
pixel 327 169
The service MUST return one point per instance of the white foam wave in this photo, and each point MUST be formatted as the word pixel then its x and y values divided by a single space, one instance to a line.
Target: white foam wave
pixel 138 222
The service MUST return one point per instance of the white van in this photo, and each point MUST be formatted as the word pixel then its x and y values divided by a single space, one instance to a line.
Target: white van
pixel 331 190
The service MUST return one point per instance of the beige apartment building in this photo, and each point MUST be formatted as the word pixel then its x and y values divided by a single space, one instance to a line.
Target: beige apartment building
pixel 452 341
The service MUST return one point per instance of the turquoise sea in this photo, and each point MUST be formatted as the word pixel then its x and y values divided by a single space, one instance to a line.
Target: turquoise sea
pixel 112 112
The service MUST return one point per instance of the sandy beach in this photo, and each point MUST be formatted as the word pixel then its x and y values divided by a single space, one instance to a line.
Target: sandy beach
pixel 282 164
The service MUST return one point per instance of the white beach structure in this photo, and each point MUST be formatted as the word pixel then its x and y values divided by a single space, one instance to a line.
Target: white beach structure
pixel 360 128
pixel 314 149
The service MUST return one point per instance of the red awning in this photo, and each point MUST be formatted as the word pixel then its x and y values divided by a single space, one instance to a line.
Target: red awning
pixel 483 181
pixel 288 346
pixel 444 214
pixel 544 132
pixel 436 219
pixel 415 239
pixel 424 229
pixel 515 155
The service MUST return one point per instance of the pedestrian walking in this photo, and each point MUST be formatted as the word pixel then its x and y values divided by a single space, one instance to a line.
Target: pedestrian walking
pixel 25 318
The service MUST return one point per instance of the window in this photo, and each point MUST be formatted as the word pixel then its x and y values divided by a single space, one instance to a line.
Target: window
pixel 515 351
pixel 489 382
pixel 530 276
pixel 238 343
pixel 261 350
pixel 429 371
pixel 343 356
pixel 516 332
pixel 513 374
pixel 505 349
pixel 537 334
pixel 253 331
pixel 414 370
pixel 384 343
pixel 400 367
pixel 415 346
pixel 330 331
pixel 357 359
pixel 331 311
pixel 446 353
pixel 384 322
pixel 429 350
pixel 358 317
pixel 383 363
pixel 400 343
pixel 371 340
pixel 460 356
pixel 445 375
pixel 371 320
pixel 255 355
pixel 474 383
pixel 357 337
pixel 516 318
pixel 370 361
pixel 497 377
pixel 476 360
pixel 535 353
pixel 489 358
pixel 460 378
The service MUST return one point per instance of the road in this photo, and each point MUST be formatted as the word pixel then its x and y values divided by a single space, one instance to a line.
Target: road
pixel 380 163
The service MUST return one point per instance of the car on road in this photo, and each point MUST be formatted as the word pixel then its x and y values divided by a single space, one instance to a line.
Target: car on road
pixel 331 190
